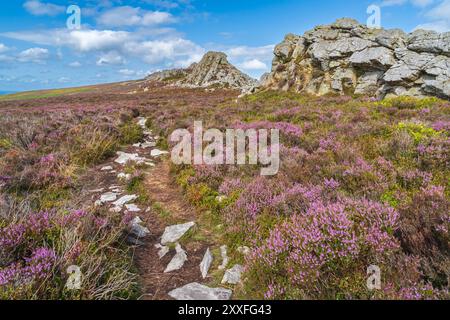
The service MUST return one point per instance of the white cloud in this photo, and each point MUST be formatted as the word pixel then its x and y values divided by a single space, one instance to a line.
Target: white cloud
pixel 80 40
pixel 256 52
pixel 129 16
pixel 36 55
pixel 441 11
pixel 75 64
pixel 254 64
pixel 111 58
pixel 439 16
pixel 3 48
pixel 38 8
pixel 438 26
pixel 156 51
pixel 64 80
pixel 416 3
pixel 130 73
pixel 110 44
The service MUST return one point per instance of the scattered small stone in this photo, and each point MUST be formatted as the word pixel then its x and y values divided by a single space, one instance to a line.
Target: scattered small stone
pixel 244 250
pixel 174 233
pixel 163 250
pixel 107 197
pixel 206 263
pixel 138 230
pixel 225 259
pixel 157 153
pixel 148 144
pixel 125 199
pixel 132 208
pixel 196 291
pixel 178 260
pixel 124 176
pixel 233 275
pixel 107 168
pixel 97 190
pixel 125 157
pixel 142 122
pixel 221 199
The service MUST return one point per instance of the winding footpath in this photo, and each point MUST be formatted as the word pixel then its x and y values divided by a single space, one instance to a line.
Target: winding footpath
pixel 170 265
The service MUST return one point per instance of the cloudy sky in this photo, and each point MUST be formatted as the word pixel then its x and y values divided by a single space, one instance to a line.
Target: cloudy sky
pixel 121 40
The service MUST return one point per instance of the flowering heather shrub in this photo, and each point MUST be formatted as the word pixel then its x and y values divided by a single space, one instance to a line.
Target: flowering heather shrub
pixel 424 232
pixel 289 131
pixel 230 186
pixel 211 175
pixel 36 250
pixel 310 254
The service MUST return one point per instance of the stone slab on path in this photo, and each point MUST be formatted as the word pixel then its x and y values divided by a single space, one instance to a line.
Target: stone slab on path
pixel 177 261
pixel 205 265
pixel 233 275
pixel 174 233
pixel 195 291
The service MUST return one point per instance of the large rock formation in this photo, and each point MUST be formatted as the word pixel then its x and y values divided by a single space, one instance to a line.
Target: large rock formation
pixel 213 70
pixel 349 58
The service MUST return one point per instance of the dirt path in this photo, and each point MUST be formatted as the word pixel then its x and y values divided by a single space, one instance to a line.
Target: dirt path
pixel 165 207
pixel 163 191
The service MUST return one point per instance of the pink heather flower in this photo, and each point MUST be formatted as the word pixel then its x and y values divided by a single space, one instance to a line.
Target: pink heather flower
pixel 50 158
pixel 331 184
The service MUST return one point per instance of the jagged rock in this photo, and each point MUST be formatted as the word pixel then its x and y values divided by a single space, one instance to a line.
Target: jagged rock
pixel 392 39
pixel 375 57
pixel 349 58
pixel 196 291
pixel 213 70
pixel 174 233
pixel 206 263
pixel 169 75
pixel 233 275
pixel 429 41
pixel 368 83
pixel 178 260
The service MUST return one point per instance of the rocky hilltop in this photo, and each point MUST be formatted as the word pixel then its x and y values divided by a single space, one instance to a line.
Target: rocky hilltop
pixel 213 70
pixel 349 58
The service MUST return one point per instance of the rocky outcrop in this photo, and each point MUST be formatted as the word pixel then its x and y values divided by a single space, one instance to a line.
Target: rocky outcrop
pixel 349 58
pixel 213 70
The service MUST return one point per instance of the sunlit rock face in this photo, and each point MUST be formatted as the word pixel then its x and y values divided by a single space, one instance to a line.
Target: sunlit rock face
pixel 349 58
pixel 213 70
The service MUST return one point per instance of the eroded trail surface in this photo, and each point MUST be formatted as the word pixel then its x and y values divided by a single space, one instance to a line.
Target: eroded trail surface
pixel 168 206
pixel 173 259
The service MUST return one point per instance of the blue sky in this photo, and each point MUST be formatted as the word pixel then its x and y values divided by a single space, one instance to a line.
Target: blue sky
pixel 122 40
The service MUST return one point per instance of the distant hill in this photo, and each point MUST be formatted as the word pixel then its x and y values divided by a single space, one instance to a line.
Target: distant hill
pixel 6 92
